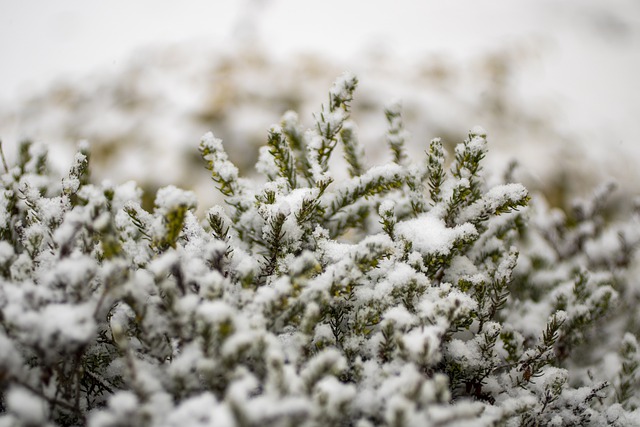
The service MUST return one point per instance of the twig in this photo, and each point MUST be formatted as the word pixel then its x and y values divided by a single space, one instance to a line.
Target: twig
pixel 4 159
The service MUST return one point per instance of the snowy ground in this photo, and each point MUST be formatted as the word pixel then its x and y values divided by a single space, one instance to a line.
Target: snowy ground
pixel 551 81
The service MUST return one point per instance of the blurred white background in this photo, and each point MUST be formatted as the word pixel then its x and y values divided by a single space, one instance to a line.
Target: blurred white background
pixel 570 67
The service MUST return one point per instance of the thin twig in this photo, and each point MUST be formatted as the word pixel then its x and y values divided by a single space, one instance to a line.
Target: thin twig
pixel 4 159
pixel 51 400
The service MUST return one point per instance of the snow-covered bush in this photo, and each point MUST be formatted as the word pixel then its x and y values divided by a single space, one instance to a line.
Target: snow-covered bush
pixel 411 293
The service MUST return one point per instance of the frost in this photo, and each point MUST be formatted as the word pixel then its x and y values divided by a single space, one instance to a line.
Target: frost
pixel 169 198
pixel 406 294
pixel 27 407
pixel 495 200
pixel 386 206
pixel 10 359
pixel 478 131
pixel 66 325
pixel 430 235
pixel 422 344
pixel 203 411
pixel 343 87
pixel 400 316
pixel 6 252
pixel 333 395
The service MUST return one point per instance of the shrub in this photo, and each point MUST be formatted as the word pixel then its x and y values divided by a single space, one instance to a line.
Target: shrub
pixel 406 294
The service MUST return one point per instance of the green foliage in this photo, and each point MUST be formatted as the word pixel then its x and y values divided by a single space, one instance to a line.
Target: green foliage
pixel 629 378
pixel 436 169
pixel 404 294
pixel 396 134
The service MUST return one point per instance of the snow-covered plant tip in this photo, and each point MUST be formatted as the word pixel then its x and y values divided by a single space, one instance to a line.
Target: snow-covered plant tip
pixel 409 294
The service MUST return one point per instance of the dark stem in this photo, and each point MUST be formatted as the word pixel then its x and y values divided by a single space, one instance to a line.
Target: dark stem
pixel 4 159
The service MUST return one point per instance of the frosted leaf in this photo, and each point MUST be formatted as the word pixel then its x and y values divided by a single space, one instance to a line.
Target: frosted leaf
pixel 430 235
pixel 266 164
pixel 52 210
pixel 328 362
pixel 29 408
pixel 162 265
pixel 73 272
pixel 422 344
pixel 66 325
pixel 560 316
pixel 343 87
pixel 10 359
pixel 401 274
pixel 465 353
pixel 451 302
pixel 465 410
pixel 124 403
pixel 323 334
pixel 215 312
pixel 289 119
pixel 334 395
pixel 124 193
pixel 170 198
pixel 211 143
pixel 552 379
pixel 213 152
pixel 71 183
pixel 4 208
pixel 244 264
pixel 21 267
pixel 495 199
pixel 478 131
pixel 387 206
pixel 504 193
pixel 400 317
pixel 6 252
pixel 239 342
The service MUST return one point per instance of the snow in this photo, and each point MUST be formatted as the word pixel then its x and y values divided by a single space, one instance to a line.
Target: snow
pixel 215 312
pixel 334 395
pixel 124 193
pixel 266 164
pixel 10 359
pixel 422 344
pixel 170 197
pixel 202 410
pixel 430 236
pixel 475 146
pixel 462 266
pixel 323 334
pixel 124 402
pixel 341 87
pixel 386 207
pixel 74 272
pixel 478 131
pixel 223 167
pixel 328 361
pixel 31 409
pixel 400 317
pixel 67 325
pixel 496 197
pixel 273 362
pixel 244 264
pixel 6 252
pixel 616 416
pixel 465 353
pixel 532 320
